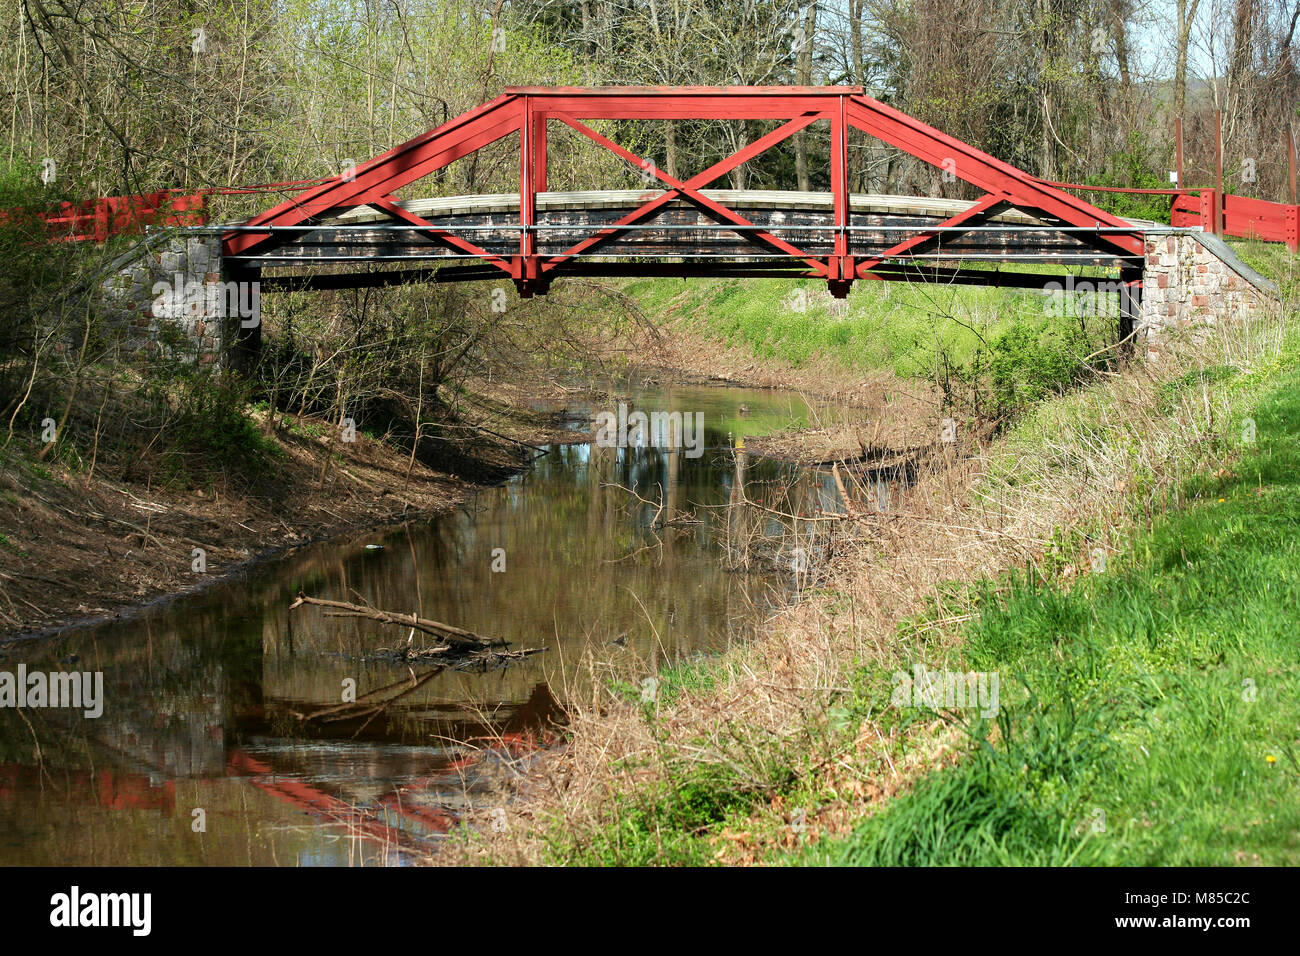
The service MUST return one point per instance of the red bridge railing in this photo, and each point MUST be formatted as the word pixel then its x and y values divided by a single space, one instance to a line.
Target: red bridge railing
pixel 95 220
pixel 1240 216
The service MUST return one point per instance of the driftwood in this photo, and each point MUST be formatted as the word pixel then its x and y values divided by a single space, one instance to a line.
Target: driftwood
pixel 458 648
pixel 376 702
pixel 472 660
pixel 454 636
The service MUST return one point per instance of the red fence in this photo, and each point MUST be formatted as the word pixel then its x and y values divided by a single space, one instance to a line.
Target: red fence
pixel 1240 216
pixel 96 219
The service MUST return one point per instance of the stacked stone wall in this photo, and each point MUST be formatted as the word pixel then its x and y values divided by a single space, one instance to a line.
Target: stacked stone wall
pixel 1186 282
pixel 170 297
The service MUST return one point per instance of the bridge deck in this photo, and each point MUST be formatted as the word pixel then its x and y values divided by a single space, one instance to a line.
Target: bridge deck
pixel 680 232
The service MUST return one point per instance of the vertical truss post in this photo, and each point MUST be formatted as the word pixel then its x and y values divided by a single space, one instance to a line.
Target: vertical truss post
pixel 841 271
pixel 526 268
pixel 539 152
pixel 540 161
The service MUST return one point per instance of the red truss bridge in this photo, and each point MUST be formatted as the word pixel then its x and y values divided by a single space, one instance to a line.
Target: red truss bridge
pixel 354 230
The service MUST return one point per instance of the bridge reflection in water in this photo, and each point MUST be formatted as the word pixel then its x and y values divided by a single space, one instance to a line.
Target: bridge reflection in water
pixel 201 695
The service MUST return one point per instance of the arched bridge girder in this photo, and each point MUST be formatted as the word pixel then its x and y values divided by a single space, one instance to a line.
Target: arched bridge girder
pixel 833 251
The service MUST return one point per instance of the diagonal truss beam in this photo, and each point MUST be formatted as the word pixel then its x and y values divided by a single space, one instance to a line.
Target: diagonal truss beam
pixel 387 172
pixel 982 211
pixel 386 205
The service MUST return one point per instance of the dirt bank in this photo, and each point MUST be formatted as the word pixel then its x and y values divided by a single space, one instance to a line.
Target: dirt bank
pixel 78 547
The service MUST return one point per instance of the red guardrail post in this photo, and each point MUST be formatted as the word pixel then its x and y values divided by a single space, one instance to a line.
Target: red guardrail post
pixel 1293 228
pixel 1209 207
pixel 101 220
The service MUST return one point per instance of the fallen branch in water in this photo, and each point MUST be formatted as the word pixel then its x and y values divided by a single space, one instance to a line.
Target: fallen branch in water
pixel 461 649
pixel 480 659
pixel 839 485
pixel 453 635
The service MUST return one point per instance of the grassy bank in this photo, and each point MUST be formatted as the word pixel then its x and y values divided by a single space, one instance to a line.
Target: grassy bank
pixel 1149 713
pixel 1138 625
pixel 1150 707
pixel 969 352
pixel 908 329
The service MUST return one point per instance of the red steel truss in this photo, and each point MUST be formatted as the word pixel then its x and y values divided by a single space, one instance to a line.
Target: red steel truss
pixel 528 111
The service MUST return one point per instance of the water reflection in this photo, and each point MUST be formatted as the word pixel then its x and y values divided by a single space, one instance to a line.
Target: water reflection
pixel 597 554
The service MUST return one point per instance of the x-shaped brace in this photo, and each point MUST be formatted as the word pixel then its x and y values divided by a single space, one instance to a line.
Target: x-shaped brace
pixel 690 191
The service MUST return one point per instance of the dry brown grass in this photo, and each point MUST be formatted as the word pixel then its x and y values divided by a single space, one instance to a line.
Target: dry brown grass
pixel 1080 470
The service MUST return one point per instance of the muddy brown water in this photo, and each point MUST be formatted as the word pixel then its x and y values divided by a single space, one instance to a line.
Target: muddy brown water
pixel 198 757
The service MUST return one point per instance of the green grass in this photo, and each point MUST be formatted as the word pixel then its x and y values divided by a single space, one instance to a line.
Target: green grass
pixel 697 675
pixel 308 428
pixel 1271 260
pixel 902 327
pixel 1141 707
pixel 666 826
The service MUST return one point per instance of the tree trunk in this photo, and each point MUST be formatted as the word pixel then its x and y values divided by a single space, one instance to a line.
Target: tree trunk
pixel 855 40
pixel 804 78
pixel 1243 42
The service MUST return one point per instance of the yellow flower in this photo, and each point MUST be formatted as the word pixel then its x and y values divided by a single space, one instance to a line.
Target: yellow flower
pixel 1271 759
pixel 1221 500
